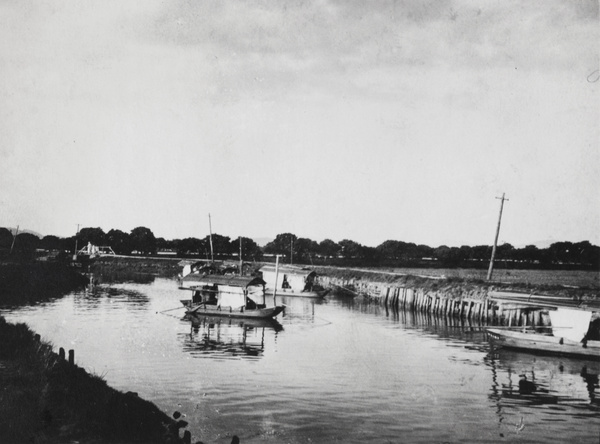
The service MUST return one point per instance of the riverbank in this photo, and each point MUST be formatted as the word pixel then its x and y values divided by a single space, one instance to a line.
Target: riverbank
pixel 48 399
pixel 27 282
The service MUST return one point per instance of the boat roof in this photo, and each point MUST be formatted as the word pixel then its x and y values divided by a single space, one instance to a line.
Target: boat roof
pixel 288 269
pixel 232 281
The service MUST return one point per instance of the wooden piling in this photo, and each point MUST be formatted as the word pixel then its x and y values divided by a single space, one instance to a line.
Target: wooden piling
pixel 72 357
pixel 61 353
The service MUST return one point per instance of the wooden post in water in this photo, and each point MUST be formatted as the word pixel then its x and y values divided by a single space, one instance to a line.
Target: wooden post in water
pixel 491 268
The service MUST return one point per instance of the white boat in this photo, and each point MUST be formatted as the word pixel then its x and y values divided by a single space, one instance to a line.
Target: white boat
pixel 229 296
pixel 289 280
pixel 572 334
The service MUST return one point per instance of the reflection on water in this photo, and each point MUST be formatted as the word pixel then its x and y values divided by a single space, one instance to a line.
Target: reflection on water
pixel 221 337
pixel 333 370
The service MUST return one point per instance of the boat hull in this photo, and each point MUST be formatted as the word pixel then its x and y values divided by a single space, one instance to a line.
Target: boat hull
pixel 540 343
pixel 214 310
pixel 300 294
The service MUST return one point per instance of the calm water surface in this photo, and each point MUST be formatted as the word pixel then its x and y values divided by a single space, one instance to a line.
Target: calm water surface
pixel 337 370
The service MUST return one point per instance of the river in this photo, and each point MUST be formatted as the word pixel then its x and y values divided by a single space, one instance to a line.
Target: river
pixel 335 370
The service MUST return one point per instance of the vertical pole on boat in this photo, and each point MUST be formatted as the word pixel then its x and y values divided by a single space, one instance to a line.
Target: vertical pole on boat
pixel 14 239
pixel 276 276
pixel 491 268
pixel 241 261
pixel 212 258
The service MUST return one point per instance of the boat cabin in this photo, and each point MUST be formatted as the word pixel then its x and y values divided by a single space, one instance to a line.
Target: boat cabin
pixel 232 292
pixel 295 279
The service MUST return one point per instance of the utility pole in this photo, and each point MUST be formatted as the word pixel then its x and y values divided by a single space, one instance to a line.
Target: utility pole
pixel 76 234
pixel 491 269
pixel 14 239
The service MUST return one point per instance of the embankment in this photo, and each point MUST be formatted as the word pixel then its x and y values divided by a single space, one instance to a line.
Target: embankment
pixel 457 298
pixel 23 283
pixel 130 265
pixel 48 399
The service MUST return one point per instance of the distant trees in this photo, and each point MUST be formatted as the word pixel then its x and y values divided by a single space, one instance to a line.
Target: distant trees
pixel 582 255
pixel 94 236
pixel 119 241
pixel 6 238
pixel 250 249
pixel 26 244
pixel 51 243
pixel 143 241
pixel 282 244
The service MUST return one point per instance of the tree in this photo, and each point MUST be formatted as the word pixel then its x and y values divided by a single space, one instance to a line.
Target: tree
pixel 350 249
pixel 329 248
pixel 6 238
pixel 119 241
pixel 190 245
pixel 26 243
pixel 95 236
pixel 143 240
pixel 250 249
pixel 50 243
pixel 304 249
pixel 221 245
pixel 282 244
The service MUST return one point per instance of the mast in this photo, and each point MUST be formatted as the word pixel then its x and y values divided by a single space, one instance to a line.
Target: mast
pixel 241 261
pixel 212 258
pixel 276 276
pixel 491 268
pixel 291 249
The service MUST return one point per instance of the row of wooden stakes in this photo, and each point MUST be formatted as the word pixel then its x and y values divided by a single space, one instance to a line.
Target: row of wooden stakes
pixel 417 299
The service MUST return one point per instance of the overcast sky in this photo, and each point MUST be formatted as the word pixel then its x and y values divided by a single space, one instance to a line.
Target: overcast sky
pixel 353 120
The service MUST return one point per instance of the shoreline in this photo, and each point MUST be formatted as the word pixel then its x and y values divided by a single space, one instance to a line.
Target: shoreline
pixel 48 399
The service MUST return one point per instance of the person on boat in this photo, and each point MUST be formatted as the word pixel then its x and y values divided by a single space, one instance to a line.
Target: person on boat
pixel 593 333
pixel 285 284
pixel 250 304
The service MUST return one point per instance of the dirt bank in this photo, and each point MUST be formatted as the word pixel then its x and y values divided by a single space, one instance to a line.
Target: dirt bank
pixel 45 399
pixel 368 282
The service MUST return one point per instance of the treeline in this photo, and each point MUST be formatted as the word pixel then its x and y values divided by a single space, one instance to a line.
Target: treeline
pixel 391 253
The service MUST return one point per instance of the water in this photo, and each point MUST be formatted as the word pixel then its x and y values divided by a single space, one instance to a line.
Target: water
pixel 337 370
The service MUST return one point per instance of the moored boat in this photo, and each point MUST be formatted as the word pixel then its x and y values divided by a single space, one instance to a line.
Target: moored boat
pixel 573 334
pixel 288 280
pixel 229 296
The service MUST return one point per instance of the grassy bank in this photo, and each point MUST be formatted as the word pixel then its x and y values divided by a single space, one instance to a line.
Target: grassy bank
pixel 45 399
pixel 119 265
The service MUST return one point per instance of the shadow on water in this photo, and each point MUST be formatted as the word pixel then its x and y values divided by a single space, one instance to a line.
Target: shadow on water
pixel 214 336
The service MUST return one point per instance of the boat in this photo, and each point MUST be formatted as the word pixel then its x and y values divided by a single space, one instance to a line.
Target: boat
pixel 573 334
pixel 229 296
pixel 289 280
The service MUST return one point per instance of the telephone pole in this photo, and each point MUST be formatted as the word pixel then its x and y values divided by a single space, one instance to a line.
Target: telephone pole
pixel 491 269
pixel 14 239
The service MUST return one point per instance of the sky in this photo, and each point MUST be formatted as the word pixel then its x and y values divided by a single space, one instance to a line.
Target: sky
pixel 369 121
